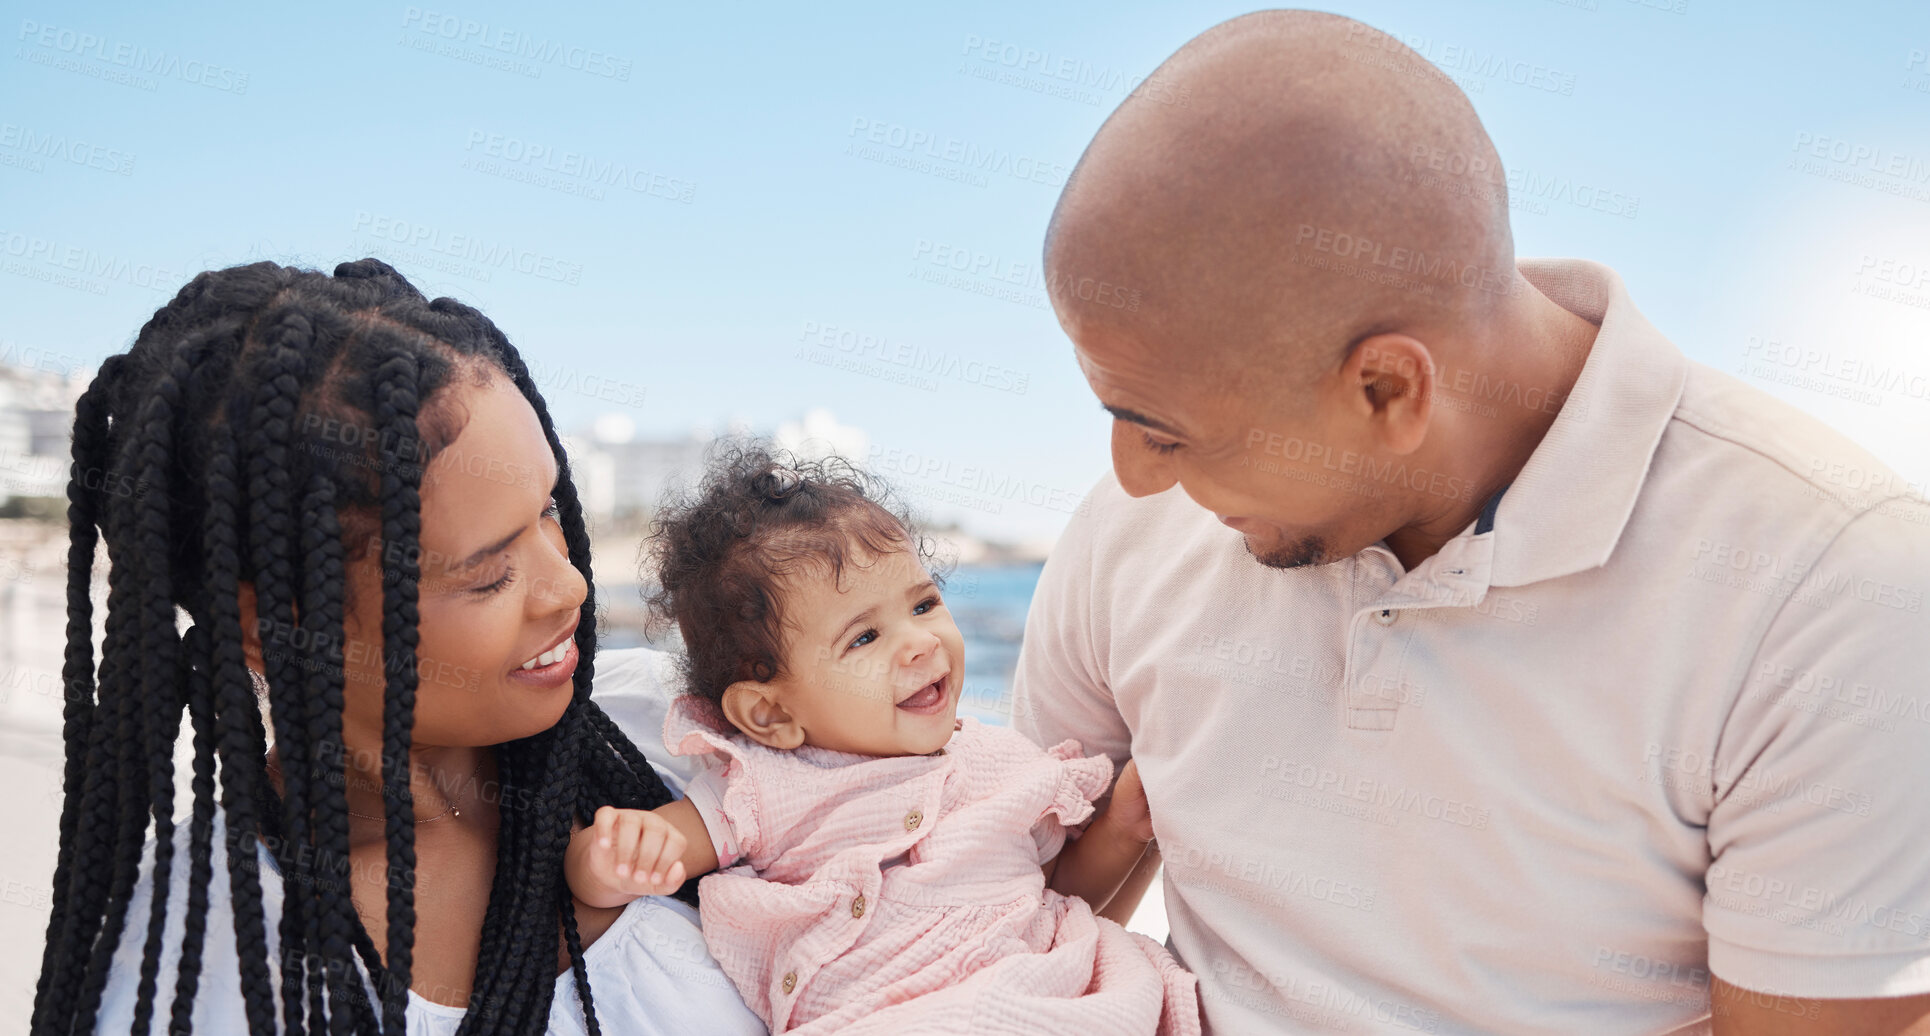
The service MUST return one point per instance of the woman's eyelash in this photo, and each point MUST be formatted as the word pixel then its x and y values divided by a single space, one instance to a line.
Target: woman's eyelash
pixel 499 585
pixel 553 510
pixel 1158 447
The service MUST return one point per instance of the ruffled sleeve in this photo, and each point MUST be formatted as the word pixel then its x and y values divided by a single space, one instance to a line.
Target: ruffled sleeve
pixel 723 792
pixel 1081 779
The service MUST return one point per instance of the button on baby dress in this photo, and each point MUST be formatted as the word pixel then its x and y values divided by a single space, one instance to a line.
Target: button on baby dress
pixel 863 894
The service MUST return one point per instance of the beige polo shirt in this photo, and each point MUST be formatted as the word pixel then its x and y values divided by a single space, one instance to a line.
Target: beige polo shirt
pixel 1662 711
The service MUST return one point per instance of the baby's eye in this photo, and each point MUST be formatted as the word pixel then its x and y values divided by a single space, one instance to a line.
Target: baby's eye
pixel 863 638
pixel 925 605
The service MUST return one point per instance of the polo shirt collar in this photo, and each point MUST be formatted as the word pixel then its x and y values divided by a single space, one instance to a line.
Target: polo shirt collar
pixel 1566 510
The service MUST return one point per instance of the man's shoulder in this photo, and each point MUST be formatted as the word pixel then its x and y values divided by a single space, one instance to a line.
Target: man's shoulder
pixel 1781 452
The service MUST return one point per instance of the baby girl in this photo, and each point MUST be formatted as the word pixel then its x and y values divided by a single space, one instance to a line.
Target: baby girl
pixel 881 865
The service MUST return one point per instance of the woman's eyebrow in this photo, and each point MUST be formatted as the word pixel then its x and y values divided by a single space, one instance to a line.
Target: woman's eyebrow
pixel 495 548
pixel 503 544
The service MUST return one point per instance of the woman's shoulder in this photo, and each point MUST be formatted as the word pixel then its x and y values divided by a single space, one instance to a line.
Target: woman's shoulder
pixel 651 972
pixel 634 687
pixel 218 999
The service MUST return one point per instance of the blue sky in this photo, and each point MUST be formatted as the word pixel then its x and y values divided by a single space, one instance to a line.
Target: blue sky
pixel 673 212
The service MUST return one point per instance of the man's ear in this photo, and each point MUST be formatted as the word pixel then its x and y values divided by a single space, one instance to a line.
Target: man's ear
pixel 250 629
pixel 752 707
pixel 1391 380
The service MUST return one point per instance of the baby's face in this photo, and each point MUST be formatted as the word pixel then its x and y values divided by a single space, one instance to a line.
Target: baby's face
pixel 875 661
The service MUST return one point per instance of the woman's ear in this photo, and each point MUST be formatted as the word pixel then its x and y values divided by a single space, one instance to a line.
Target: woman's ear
pixel 752 707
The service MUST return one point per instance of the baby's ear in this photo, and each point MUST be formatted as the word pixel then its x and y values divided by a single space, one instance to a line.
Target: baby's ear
pixel 752 707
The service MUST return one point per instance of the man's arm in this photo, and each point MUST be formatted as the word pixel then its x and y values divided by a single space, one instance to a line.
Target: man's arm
pixel 1097 864
pixel 1818 889
pixel 1125 901
pixel 1743 1012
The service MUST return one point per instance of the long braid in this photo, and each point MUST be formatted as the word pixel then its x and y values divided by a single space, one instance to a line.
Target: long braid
pixel 279 370
pixel 240 743
pixel 201 713
pixel 162 690
pixel 323 579
pixel 77 670
pixel 396 410
pixel 137 689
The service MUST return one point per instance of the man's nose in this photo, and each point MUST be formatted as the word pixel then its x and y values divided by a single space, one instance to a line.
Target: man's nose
pixel 1140 471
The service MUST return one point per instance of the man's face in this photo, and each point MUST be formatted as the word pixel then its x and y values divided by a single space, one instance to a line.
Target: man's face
pixel 1292 475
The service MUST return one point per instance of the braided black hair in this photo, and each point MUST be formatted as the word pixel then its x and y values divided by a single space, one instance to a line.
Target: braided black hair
pixel 196 464
pixel 759 516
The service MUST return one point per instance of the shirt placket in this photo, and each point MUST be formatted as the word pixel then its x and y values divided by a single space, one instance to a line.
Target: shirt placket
pixel 1382 628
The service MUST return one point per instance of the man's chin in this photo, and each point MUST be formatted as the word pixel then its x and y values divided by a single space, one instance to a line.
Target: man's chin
pixel 1301 553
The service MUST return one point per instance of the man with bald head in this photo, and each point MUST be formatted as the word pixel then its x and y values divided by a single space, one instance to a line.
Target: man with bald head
pixel 1490 666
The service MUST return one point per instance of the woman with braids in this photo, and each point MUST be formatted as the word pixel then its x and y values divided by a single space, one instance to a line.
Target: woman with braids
pixel 343 546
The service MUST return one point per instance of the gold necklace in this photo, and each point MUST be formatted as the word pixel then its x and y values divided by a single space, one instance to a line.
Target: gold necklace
pixel 448 804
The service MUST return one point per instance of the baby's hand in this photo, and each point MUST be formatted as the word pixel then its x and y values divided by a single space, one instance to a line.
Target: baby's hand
pixel 1129 808
pixel 634 852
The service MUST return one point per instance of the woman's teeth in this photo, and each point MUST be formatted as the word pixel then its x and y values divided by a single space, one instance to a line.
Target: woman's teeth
pixel 550 657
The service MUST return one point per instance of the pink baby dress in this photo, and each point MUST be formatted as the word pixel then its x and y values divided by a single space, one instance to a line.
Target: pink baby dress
pixel 863 894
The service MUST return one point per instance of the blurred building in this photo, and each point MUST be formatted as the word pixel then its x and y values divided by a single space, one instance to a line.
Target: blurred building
pixel 624 478
pixel 36 419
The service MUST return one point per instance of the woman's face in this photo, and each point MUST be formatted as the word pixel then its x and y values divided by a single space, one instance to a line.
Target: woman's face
pixel 496 588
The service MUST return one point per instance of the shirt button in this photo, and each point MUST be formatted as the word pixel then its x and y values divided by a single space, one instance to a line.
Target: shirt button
pixel 857 906
pixel 790 981
pixel 913 819
pixel 1385 616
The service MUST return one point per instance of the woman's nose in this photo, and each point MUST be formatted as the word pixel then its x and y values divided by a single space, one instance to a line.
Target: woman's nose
pixel 561 587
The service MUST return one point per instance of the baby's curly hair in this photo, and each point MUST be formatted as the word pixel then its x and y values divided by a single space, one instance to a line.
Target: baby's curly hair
pixel 761 515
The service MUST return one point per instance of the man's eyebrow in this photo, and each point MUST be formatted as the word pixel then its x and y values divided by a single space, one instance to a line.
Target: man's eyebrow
pixel 503 544
pixel 1136 417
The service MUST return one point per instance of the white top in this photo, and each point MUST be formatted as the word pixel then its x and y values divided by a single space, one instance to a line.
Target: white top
pixel 650 973
pixel 1663 712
